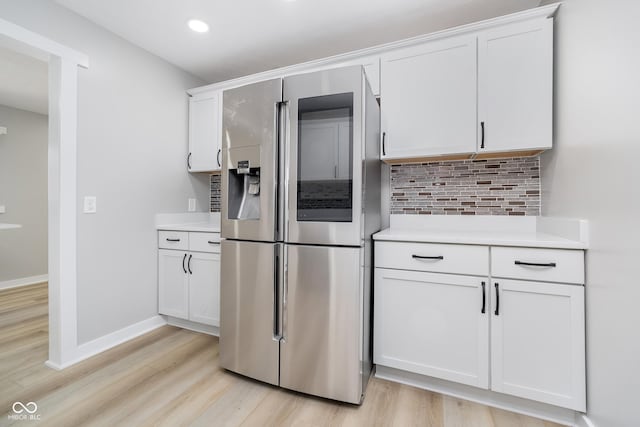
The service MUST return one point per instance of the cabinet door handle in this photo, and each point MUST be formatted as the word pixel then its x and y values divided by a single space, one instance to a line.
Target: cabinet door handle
pixel 536 264
pixel 384 137
pixel 218 157
pixel 497 312
pixel 484 298
pixel 189 161
pixel 183 267
pixel 172 240
pixel 482 135
pixel 189 264
pixel 439 257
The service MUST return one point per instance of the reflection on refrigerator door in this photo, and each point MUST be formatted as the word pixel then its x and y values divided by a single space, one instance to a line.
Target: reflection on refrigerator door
pixel 249 333
pixel 250 161
pixel 320 350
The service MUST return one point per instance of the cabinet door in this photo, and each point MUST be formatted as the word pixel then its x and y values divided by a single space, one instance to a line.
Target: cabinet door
pixel 428 99
pixel 204 133
pixel 173 282
pixel 204 288
pixel 538 342
pixel 432 324
pixel 515 64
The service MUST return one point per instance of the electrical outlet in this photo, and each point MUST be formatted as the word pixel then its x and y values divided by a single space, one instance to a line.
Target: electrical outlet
pixel 90 204
pixel 192 205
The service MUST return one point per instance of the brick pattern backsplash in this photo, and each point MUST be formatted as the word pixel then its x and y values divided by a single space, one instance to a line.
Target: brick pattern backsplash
pixel 215 193
pixel 471 187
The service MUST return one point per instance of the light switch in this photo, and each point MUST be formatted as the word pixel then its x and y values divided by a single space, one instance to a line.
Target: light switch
pixel 192 205
pixel 90 204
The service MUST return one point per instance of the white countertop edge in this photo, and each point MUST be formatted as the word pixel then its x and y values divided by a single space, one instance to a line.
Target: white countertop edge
pixel 540 232
pixel 196 226
pixel 9 226
pixel 190 221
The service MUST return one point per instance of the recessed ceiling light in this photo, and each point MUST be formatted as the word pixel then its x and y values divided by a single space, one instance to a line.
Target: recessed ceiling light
pixel 198 26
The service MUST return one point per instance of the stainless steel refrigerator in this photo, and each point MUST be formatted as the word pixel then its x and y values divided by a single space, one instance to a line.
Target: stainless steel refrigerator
pixel 300 201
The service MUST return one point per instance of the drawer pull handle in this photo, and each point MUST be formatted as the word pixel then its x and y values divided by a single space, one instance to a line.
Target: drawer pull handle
pixel 497 312
pixel 484 298
pixel 212 243
pixel 439 257
pixel 172 240
pixel 536 264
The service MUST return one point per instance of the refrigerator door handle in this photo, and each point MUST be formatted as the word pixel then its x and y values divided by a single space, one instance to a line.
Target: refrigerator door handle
pixel 285 293
pixel 285 141
pixel 280 169
pixel 277 293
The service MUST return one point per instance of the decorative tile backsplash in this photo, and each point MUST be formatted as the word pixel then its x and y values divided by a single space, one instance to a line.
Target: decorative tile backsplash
pixel 470 187
pixel 215 193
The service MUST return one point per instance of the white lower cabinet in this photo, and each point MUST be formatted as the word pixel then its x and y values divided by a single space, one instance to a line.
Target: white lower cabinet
pixel 173 283
pixel 189 282
pixel 538 342
pixel 523 338
pixel 204 293
pixel 432 324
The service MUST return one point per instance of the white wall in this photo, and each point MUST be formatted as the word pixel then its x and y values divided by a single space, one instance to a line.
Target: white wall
pixel 23 192
pixel 132 147
pixel 593 173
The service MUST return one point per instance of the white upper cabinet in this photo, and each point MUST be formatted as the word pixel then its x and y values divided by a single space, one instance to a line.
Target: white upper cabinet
pixel 205 120
pixel 428 99
pixel 371 65
pixel 515 87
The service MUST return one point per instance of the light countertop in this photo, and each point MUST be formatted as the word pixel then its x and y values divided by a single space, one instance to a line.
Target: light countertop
pixel 202 222
pixel 9 226
pixel 195 226
pixel 536 232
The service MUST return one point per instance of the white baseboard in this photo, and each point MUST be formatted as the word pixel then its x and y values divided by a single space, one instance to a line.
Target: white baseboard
pixel 111 340
pixel 485 397
pixel 193 326
pixel 24 281
pixel 583 421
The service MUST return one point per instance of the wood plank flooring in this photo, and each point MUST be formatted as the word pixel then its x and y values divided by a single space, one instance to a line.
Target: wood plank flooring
pixel 170 377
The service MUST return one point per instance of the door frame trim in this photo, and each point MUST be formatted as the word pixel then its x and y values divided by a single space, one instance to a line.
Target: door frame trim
pixel 62 184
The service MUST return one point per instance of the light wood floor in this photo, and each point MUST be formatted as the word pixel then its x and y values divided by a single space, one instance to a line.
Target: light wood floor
pixel 171 377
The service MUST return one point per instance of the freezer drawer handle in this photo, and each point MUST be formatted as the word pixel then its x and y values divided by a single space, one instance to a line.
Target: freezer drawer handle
pixel 212 243
pixel 484 298
pixel 536 264
pixel 439 257
pixel 497 312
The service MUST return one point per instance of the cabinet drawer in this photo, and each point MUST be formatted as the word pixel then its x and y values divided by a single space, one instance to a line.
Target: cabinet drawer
pixel 173 240
pixel 439 258
pixel 547 265
pixel 204 242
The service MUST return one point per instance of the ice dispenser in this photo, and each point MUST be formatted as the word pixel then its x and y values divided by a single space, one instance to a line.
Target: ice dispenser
pixel 244 183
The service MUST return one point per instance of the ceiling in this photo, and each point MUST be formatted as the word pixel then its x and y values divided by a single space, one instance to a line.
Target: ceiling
pixel 249 36
pixel 23 82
